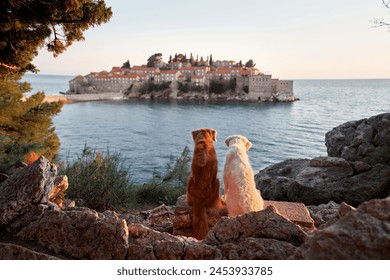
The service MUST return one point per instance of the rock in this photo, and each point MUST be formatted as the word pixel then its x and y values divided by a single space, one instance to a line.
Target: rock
pixel 322 213
pixel 182 221
pixel 363 233
pixel 256 235
pixel 364 140
pixel 263 224
pixel 3 177
pixel 148 244
pixel 295 212
pixel 327 214
pixel 323 179
pixel 202 251
pixel 57 194
pixel 68 203
pixel 274 180
pixel 16 252
pixel 266 249
pixel 80 234
pixel 23 220
pixel 160 219
pixel 26 187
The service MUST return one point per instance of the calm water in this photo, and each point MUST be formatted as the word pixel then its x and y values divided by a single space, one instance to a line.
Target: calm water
pixel 147 133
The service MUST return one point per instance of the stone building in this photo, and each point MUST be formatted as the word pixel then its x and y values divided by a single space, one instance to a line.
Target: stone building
pixel 260 87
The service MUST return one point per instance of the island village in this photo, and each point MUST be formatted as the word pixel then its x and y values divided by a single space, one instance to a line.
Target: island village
pixel 182 78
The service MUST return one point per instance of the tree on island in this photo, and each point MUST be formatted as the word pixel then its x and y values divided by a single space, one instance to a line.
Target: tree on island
pixel 155 60
pixel 25 27
pixel 126 65
pixel 250 64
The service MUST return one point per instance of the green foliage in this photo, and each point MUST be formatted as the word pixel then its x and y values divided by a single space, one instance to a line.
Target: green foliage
pixel 232 84
pixel 126 64
pixel 218 87
pixel 25 125
pixel 27 24
pixel 154 60
pixel 188 87
pixel 100 180
pixel 250 64
pixel 222 86
pixel 103 181
pixel 167 187
pixel 150 86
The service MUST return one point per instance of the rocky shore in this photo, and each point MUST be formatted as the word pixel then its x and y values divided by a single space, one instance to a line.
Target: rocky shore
pixel 335 207
pixel 174 95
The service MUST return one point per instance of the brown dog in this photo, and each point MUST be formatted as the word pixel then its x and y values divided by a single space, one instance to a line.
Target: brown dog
pixel 203 184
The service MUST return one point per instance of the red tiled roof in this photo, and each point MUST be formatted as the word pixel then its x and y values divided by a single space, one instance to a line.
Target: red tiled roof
pixel 143 68
pixel 169 71
pixel 117 69
pixel 197 77
pixel 245 72
pixel 77 78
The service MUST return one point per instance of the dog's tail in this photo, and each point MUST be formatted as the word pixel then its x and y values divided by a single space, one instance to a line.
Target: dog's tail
pixel 200 226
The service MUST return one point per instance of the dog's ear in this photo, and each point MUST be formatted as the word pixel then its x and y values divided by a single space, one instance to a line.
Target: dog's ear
pixel 248 143
pixel 197 133
pixel 194 134
pixel 227 140
pixel 213 134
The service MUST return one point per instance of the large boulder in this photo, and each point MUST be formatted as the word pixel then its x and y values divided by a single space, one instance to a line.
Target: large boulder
pixel 25 188
pixel 16 252
pixel 366 140
pixel 324 179
pixel 363 233
pixel 80 233
pixel 256 235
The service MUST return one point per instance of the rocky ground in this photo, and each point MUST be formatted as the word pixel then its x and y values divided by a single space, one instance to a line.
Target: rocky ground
pixel 335 207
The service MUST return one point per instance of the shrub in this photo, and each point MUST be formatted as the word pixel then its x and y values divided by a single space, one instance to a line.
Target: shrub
pixel 167 187
pixel 100 180
pixel 103 182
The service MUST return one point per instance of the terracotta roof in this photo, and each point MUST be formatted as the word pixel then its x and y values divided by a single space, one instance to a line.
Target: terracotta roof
pixel 224 71
pixel 118 76
pixel 143 68
pixel 245 72
pixel 197 77
pixel 117 69
pixel 169 71
pixel 77 78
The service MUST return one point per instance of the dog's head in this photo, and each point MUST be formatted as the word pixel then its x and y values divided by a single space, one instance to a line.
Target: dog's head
pixel 238 140
pixel 204 147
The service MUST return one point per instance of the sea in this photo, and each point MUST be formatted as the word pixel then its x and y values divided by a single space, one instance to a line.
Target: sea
pixel 148 134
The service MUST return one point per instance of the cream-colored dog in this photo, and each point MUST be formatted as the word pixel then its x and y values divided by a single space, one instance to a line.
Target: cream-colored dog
pixel 241 195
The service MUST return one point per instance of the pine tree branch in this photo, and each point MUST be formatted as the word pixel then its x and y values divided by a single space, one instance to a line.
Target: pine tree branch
pixel 8 66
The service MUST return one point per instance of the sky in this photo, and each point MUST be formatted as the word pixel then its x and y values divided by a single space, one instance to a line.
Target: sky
pixel 300 39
